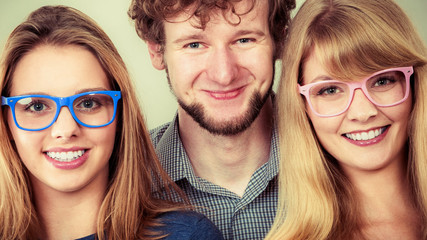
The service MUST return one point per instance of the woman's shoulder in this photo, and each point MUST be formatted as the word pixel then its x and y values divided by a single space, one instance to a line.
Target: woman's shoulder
pixel 187 225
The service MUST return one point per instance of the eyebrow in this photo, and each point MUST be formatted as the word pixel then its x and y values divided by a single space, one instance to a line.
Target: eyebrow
pixel 316 79
pixel 77 92
pixel 91 90
pixel 197 36
pixel 322 78
pixel 201 36
pixel 248 32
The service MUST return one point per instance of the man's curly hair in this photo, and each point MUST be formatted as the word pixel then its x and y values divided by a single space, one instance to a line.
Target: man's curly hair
pixel 149 15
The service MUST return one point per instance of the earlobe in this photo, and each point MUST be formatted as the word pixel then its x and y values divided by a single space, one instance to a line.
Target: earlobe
pixel 156 55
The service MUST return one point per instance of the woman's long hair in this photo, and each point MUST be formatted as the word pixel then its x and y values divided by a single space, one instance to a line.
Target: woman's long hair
pixel 352 38
pixel 129 209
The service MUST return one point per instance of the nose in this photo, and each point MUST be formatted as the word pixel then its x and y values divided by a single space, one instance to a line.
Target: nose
pixel 65 127
pixel 222 66
pixel 361 109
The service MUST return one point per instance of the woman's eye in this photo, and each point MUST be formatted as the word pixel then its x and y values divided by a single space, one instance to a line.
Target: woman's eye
pixel 88 104
pixel 328 91
pixel 383 82
pixel 37 107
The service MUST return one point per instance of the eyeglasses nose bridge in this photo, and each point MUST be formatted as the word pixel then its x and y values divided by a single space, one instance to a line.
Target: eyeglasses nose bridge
pixel 65 102
pixel 363 91
pixel 358 85
pixel 355 86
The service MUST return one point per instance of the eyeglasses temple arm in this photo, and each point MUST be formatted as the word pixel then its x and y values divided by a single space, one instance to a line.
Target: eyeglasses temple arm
pixel 3 101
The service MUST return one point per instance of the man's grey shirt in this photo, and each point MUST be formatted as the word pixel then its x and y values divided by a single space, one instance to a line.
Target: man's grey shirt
pixel 247 217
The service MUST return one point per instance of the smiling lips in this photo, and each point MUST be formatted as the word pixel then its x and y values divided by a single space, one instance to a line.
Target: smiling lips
pixel 366 137
pixel 225 95
pixel 67 160
pixel 66 156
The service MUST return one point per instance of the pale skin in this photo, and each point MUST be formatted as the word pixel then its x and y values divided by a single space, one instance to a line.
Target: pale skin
pixel 377 170
pixel 220 68
pixel 387 204
pixel 67 201
pixel 69 215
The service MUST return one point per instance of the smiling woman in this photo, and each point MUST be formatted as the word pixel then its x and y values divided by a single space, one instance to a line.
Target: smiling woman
pixel 60 71
pixel 75 155
pixel 352 110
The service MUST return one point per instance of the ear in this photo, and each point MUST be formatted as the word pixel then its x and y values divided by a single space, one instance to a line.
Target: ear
pixel 156 55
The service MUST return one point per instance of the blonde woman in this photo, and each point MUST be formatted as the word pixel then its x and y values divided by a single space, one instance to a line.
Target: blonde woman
pixel 352 109
pixel 76 159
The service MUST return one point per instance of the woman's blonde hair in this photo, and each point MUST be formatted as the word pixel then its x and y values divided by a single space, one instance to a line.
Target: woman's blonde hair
pixel 352 38
pixel 129 209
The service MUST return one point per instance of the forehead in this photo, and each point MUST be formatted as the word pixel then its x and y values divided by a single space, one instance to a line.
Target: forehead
pixel 324 60
pixel 57 70
pixel 315 68
pixel 312 69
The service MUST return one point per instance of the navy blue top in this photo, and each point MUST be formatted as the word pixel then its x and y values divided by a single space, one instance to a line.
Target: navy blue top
pixel 184 225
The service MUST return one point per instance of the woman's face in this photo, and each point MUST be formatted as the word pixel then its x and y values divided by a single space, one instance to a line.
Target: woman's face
pixel 382 131
pixel 66 157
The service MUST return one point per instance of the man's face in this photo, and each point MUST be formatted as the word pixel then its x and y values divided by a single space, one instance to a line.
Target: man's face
pixel 221 75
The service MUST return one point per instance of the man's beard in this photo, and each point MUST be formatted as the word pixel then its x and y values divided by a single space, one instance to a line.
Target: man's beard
pixel 230 127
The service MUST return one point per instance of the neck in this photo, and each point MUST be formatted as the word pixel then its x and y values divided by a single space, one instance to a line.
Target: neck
pixel 228 161
pixel 382 197
pixel 387 203
pixel 68 215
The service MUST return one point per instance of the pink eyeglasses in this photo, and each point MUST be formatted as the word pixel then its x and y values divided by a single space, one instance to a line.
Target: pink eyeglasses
pixel 385 88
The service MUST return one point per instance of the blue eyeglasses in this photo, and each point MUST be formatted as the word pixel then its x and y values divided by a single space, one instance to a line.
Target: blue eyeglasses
pixel 38 112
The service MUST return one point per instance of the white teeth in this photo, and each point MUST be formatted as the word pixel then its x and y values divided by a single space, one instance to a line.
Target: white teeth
pixel 365 135
pixel 66 156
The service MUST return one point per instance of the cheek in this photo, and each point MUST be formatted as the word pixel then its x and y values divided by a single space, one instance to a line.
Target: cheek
pixel 325 128
pixel 264 74
pixel 105 138
pixel 28 144
pixel 23 140
pixel 179 79
pixel 107 144
pixel 182 68
pixel 401 112
pixel 400 117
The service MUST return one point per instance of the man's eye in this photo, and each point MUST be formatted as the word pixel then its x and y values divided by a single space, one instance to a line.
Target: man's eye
pixel 193 45
pixel 245 40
